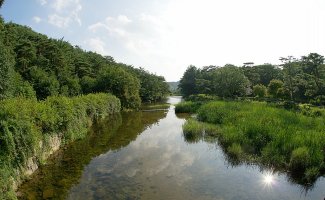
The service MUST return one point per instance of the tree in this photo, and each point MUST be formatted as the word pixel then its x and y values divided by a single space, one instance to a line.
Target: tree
pixel 187 84
pixel 229 81
pixel 6 72
pixel 313 66
pixel 122 84
pixel 44 84
pixel 259 90
pixel 274 87
pixel 292 73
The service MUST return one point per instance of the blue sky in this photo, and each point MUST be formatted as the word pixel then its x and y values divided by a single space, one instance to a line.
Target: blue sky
pixel 165 36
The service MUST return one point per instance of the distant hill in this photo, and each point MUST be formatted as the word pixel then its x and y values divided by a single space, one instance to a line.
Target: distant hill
pixel 173 86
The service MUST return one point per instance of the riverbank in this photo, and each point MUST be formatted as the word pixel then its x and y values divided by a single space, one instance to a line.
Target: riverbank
pixel 32 130
pixel 257 132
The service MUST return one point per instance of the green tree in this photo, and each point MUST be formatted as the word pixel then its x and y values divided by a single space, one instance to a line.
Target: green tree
pixel 293 74
pixel 187 84
pixel 274 87
pixel 6 72
pixel 259 90
pixel 263 74
pixel 314 68
pixel 44 84
pixel 122 84
pixel 230 81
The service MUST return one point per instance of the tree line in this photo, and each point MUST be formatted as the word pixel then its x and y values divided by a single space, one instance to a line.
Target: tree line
pixel 35 66
pixel 296 79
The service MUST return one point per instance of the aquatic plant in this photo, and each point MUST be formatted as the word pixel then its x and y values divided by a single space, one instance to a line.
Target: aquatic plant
pixel 291 140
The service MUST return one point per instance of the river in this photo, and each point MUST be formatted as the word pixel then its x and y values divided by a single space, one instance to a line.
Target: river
pixel 144 155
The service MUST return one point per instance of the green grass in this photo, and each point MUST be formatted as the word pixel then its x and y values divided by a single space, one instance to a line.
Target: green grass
pixel 194 131
pixel 293 141
pixel 187 107
pixel 26 127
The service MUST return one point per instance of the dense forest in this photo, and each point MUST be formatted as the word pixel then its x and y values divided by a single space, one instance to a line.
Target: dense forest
pixel 35 66
pixel 299 80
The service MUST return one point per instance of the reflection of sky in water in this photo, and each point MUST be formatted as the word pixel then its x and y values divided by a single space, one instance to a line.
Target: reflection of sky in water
pixel 160 165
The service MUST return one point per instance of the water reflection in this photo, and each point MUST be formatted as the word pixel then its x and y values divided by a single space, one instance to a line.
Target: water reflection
pixel 65 168
pixel 160 164
pixel 268 179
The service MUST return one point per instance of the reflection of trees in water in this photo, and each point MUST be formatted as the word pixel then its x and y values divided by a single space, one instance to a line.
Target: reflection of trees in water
pixel 65 167
pixel 294 177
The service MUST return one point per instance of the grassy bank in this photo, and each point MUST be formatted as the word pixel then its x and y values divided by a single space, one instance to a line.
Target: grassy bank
pixel 255 131
pixel 31 130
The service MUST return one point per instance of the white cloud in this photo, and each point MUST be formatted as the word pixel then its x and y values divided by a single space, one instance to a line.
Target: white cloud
pixel 42 2
pixel 64 12
pixel 37 19
pixel 97 45
pixel 59 21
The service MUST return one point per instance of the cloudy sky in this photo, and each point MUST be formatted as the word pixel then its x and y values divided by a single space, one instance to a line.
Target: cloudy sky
pixel 165 36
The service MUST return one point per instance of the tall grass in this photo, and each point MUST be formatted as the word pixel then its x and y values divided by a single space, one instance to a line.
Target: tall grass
pixel 187 107
pixel 274 136
pixel 27 127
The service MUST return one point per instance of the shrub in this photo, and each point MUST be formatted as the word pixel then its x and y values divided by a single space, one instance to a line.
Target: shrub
pixel 259 90
pixel 27 123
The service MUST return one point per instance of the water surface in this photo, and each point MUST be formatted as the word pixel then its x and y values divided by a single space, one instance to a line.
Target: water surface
pixel 144 155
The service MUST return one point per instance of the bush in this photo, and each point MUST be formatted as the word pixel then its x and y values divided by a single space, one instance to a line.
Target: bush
pixel 259 90
pixel 27 125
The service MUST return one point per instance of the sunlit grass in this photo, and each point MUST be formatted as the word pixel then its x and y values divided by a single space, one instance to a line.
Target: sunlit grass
pixel 273 136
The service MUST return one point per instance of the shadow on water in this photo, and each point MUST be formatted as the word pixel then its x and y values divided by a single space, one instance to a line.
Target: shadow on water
pixel 65 167
pixel 294 177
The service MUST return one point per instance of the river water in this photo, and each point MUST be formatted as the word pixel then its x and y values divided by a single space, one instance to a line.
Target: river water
pixel 144 155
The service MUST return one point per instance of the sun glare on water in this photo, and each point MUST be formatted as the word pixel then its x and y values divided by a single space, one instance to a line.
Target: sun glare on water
pixel 268 180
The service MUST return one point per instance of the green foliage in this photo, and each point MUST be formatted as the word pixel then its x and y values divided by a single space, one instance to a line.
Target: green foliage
pixel 45 84
pixel 26 126
pixel 193 131
pixel 187 84
pixel 235 150
pixel 274 87
pixel 153 88
pixel 300 158
pixel 122 84
pixel 187 107
pixel 6 72
pixel 55 67
pixel 259 90
pixel 21 88
pixel 273 136
pixel 303 80
pixel 229 81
